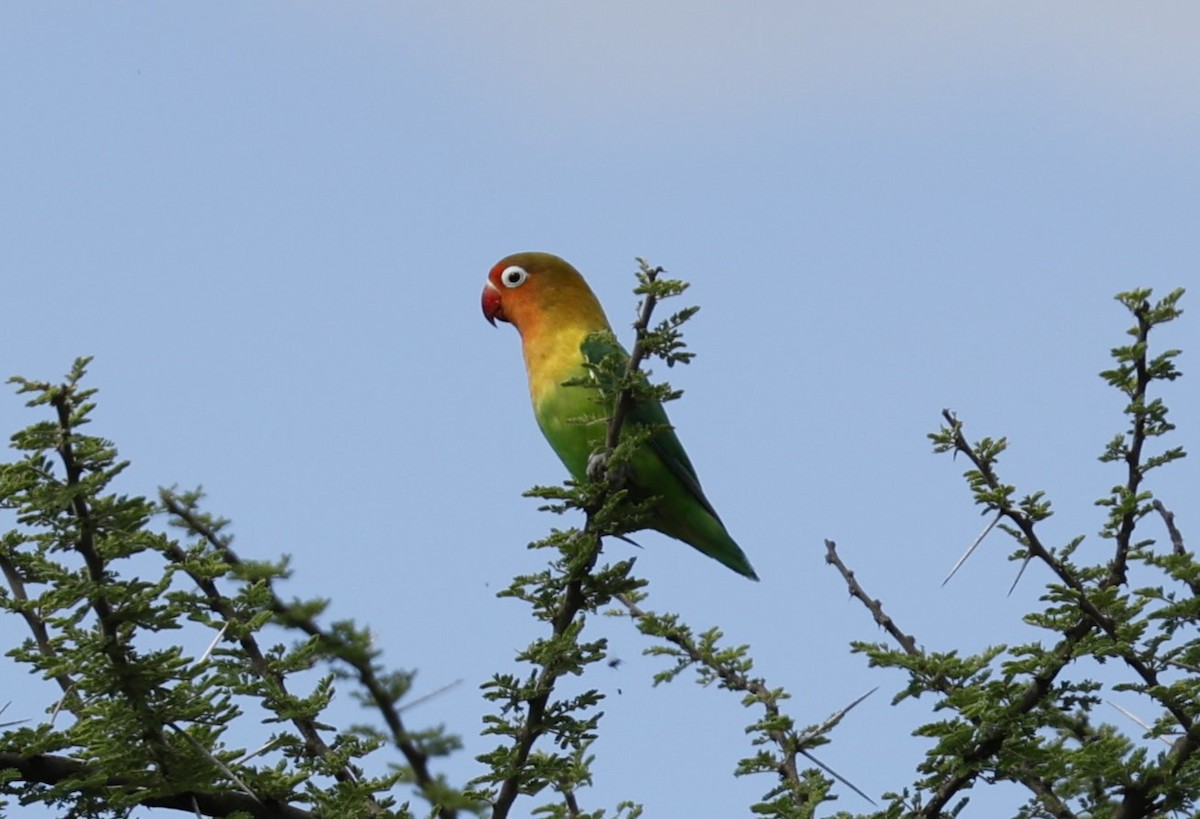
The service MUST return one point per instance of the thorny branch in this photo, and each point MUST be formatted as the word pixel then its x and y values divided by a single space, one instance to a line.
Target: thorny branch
pixel 33 620
pixel 1092 616
pixel 1176 536
pixel 574 599
pixel 48 769
pixel 993 735
pixel 789 743
pixel 114 647
pixel 1143 796
pixel 416 758
pixel 533 727
pixel 258 661
pixel 874 606
pixel 97 528
pixel 641 350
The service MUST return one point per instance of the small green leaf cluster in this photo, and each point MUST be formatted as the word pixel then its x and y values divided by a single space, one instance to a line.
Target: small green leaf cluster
pixel 665 339
pixel 110 605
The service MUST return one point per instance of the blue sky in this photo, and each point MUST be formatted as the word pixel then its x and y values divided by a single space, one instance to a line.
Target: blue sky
pixel 270 223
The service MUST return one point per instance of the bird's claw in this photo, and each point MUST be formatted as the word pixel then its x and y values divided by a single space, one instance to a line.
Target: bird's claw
pixel 597 466
pixel 598 469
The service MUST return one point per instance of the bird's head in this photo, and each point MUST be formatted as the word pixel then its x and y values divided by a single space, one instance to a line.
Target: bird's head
pixel 526 288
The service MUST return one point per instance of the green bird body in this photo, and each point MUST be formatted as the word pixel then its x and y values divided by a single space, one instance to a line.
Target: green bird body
pixel 556 312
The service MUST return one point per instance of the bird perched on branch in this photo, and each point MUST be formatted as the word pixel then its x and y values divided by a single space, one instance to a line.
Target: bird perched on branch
pixel 555 312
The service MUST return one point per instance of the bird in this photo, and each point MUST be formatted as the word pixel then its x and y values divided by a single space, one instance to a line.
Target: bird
pixel 556 313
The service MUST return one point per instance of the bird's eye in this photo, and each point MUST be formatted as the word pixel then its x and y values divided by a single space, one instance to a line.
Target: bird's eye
pixel 514 276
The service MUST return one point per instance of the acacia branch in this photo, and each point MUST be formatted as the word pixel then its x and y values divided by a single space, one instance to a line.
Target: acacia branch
pixel 533 727
pixel 1091 618
pixel 641 350
pixel 1133 456
pixel 114 647
pixel 993 736
pixel 874 606
pixel 1116 574
pixel 258 662
pixel 734 680
pixel 1139 797
pixel 47 769
pixel 1177 544
pixel 36 623
pixel 790 743
pixel 1169 520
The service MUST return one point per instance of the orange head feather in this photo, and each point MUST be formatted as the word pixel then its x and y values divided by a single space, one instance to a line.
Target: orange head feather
pixel 539 293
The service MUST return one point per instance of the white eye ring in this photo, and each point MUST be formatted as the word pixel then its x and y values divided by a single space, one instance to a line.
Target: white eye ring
pixel 513 276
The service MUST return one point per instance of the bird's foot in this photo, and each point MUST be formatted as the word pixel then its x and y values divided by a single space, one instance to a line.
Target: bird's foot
pixel 597 466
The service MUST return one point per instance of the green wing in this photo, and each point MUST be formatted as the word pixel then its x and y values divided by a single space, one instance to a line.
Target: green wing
pixel 664 469
pixel 649 414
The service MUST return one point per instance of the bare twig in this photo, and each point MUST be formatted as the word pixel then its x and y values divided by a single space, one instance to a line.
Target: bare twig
pixel 874 606
pixel 1177 545
pixel 572 803
pixel 1169 520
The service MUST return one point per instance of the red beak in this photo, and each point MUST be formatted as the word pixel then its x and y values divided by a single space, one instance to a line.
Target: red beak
pixel 491 304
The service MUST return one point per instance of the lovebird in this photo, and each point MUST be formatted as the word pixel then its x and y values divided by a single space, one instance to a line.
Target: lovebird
pixel 555 311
